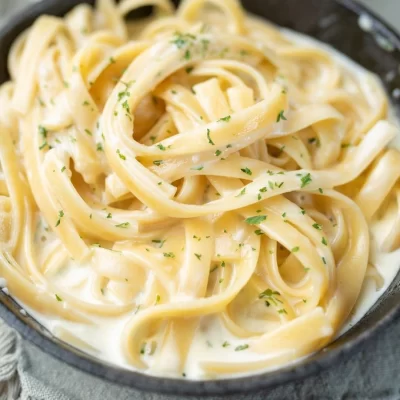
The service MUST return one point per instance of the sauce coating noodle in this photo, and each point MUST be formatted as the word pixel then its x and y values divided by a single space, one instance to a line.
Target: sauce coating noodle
pixel 195 193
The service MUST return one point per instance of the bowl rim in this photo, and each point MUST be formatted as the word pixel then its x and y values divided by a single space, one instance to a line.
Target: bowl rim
pixel 39 336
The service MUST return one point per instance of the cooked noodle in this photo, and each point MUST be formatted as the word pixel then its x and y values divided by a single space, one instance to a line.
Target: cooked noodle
pixel 197 176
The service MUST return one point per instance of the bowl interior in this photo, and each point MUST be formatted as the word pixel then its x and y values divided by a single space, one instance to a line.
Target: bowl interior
pixel 333 22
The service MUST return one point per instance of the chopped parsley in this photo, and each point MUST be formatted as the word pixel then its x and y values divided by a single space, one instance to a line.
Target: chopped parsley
pixel 43 131
pixel 242 347
pixel 305 180
pixel 63 168
pixel 182 39
pixel 324 241
pixel 295 249
pixel 121 156
pixel 246 171
pixel 198 168
pixel 189 69
pixel 157 162
pixel 317 226
pixel 225 344
pixel 218 153
pixel 270 296
pixel 320 190
pixel 169 255
pixel 281 116
pixel 257 219
pixel 58 297
pixel 159 242
pixel 88 132
pixel 99 147
pixel 242 192
pixel 161 147
pixel 123 225
pixel 60 215
pixel 109 216
pixel 198 256
pixel 209 138
pixel 213 269
pixel 323 260
pixel 225 119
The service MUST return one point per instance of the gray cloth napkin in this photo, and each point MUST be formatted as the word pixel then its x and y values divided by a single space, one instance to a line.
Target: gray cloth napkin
pixel 16 382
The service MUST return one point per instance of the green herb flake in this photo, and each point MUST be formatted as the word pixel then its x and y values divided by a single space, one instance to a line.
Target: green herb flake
pixel 123 225
pixel 225 344
pixel 281 116
pixel 198 256
pixel 242 192
pixel 158 162
pixel 209 138
pixel 225 119
pixel 63 168
pixel 218 153
pixel 169 255
pixel 246 171
pixel 121 156
pixel 87 131
pixel 257 219
pixel 58 297
pixel 60 215
pixel 43 146
pixel 198 168
pixel 242 347
pixel 159 242
pixel 42 131
pixel 270 296
pixel 305 180
pixel 213 269
pixel 324 241
pixel 295 249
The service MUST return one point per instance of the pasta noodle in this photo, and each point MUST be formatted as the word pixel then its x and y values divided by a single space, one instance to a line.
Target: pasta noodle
pixel 198 188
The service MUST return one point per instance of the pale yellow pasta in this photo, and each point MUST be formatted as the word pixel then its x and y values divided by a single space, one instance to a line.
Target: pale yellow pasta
pixel 191 171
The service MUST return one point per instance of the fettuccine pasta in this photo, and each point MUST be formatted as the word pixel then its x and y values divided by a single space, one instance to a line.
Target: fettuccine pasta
pixel 197 193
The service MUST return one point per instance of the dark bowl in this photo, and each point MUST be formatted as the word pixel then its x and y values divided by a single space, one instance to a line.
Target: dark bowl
pixel 333 22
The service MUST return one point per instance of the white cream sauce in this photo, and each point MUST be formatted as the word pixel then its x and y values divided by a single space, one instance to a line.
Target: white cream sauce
pixel 102 338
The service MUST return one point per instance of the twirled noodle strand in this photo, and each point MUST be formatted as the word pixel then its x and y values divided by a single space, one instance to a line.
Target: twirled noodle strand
pixel 194 194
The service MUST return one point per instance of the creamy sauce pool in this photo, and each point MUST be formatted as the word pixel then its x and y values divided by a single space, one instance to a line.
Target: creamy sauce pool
pixel 212 340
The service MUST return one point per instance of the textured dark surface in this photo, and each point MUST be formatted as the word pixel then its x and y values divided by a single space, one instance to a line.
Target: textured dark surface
pixel 349 377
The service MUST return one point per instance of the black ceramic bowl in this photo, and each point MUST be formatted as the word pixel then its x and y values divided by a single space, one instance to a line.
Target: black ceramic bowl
pixel 332 21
